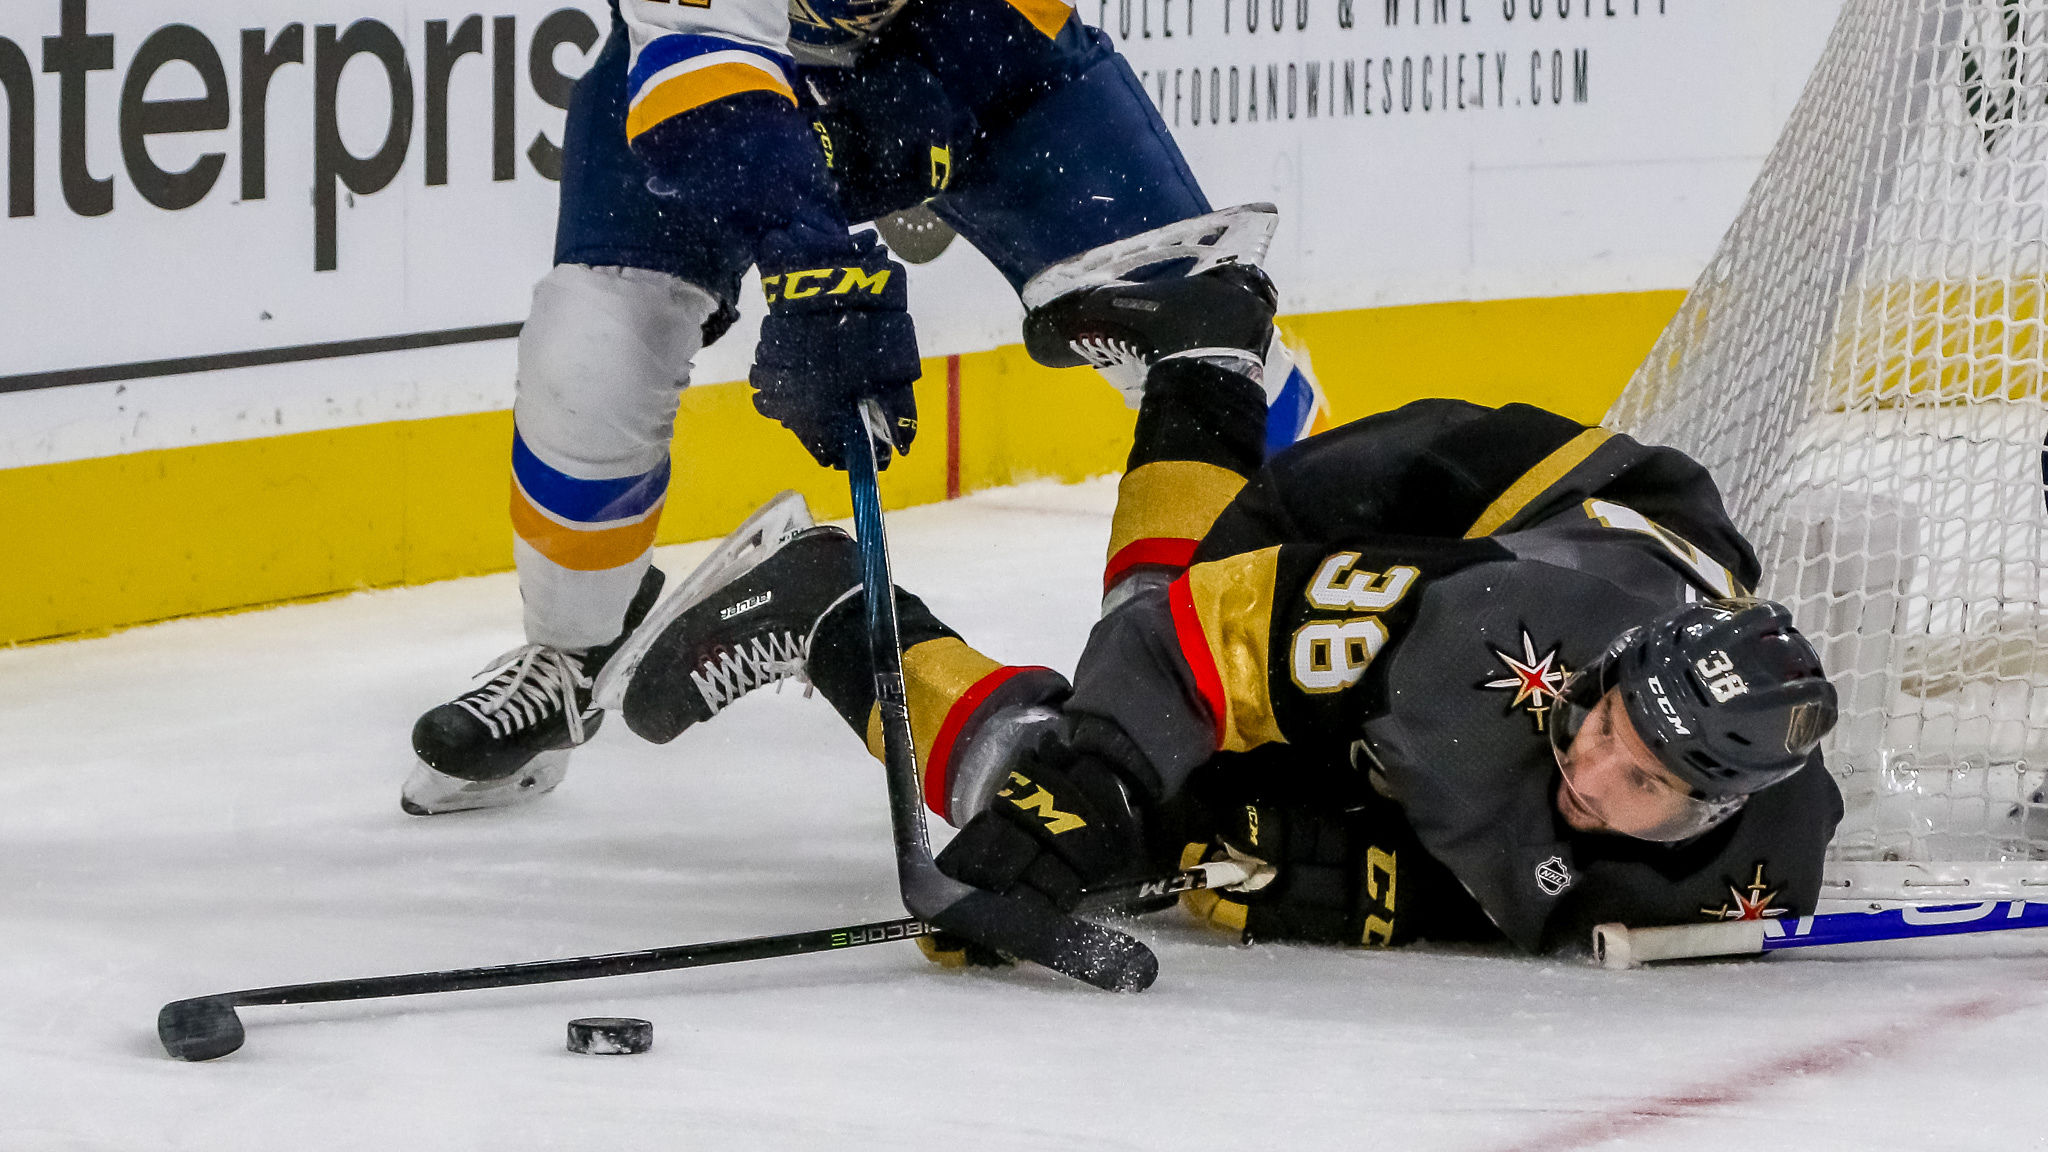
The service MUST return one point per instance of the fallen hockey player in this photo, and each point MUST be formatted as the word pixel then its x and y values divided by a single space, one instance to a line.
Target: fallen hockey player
pixel 1456 673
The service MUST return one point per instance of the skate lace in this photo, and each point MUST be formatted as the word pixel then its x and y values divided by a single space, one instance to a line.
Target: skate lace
pixel 1107 351
pixel 1120 362
pixel 533 682
pixel 733 672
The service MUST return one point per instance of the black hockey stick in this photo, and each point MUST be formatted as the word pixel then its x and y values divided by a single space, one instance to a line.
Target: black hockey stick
pixel 1088 952
pixel 207 1028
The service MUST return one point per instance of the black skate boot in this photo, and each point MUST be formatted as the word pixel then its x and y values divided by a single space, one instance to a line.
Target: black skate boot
pixel 509 739
pixel 1191 288
pixel 753 631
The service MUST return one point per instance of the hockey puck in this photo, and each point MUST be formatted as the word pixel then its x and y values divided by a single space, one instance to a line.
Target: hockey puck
pixel 610 1035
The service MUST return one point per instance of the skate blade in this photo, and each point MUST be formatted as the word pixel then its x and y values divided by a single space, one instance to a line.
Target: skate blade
pixel 1232 235
pixel 783 516
pixel 431 793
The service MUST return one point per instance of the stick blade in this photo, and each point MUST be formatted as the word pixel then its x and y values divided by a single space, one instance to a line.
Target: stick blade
pixel 1097 956
pixel 202 1028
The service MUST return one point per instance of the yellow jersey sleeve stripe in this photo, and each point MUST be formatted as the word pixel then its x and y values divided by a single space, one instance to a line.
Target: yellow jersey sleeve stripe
pixel 1170 499
pixel 1233 600
pixel 1536 481
pixel 700 86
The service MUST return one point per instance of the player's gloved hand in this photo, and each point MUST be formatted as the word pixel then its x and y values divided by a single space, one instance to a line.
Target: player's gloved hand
pixel 838 330
pixel 1331 886
pixel 891 135
pixel 1064 822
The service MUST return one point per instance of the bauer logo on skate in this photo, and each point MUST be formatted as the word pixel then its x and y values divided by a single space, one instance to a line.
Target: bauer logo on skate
pixel 747 605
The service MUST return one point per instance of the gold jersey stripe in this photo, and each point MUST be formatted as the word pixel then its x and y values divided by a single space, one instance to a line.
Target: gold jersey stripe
pixel 936 674
pixel 1536 481
pixel 1233 598
pixel 1170 499
pixel 697 88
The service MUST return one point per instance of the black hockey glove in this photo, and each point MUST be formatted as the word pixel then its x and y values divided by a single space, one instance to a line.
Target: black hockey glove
pixel 838 330
pixel 1343 877
pixel 1315 895
pixel 1064 822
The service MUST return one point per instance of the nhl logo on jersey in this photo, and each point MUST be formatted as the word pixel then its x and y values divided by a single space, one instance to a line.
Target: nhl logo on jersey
pixel 1553 877
pixel 1536 682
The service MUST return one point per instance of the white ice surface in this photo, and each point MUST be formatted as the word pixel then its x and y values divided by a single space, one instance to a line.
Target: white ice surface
pixel 212 804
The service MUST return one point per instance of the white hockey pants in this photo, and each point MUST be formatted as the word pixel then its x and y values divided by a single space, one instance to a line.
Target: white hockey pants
pixel 603 359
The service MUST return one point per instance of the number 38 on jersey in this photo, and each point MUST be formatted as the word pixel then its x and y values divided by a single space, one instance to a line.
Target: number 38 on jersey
pixel 1331 655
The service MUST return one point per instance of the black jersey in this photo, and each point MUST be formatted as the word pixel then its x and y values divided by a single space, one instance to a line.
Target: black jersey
pixel 1402 599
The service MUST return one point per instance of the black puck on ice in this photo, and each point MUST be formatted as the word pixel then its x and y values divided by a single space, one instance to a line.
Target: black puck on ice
pixel 610 1035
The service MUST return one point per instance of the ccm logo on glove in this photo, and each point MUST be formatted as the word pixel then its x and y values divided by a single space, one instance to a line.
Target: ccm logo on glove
pixel 1040 803
pixel 809 282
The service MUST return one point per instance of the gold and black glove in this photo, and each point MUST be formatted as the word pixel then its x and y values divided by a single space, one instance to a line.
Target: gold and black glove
pixel 1065 821
pixel 1332 884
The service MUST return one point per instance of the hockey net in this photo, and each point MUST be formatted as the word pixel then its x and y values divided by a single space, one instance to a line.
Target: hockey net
pixel 1861 366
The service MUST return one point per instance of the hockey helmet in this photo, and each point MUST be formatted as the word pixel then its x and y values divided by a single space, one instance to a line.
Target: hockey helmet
pixel 832 31
pixel 1727 693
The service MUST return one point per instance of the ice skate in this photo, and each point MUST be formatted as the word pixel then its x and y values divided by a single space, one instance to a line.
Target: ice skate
pixel 1190 287
pixel 1193 288
pixel 773 523
pixel 752 631
pixel 508 740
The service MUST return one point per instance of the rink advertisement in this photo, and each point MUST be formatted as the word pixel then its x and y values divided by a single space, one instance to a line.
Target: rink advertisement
pixel 207 181
pixel 213 185
pixel 247 225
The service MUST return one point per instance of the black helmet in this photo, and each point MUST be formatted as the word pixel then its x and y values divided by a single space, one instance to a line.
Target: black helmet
pixel 1727 693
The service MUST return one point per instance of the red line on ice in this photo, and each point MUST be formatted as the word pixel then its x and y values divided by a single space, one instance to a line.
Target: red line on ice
pixel 1820 1059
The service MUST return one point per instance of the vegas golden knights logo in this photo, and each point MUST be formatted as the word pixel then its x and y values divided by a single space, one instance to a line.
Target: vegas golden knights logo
pixel 1756 900
pixel 1538 682
pixel 1803 729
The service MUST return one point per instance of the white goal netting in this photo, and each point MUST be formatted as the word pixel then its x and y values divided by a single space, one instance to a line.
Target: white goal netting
pixel 1861 366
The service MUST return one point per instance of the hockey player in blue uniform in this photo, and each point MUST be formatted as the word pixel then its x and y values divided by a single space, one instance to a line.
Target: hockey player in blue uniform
pixel 711 137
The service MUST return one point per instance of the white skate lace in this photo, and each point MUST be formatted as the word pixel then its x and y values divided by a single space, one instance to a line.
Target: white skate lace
pixel 733 672
pixel 536 681
pixel 1107 352
pixel 1120 362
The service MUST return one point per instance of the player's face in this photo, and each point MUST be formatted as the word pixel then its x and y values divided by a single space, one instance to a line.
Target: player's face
pixel 1612 782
